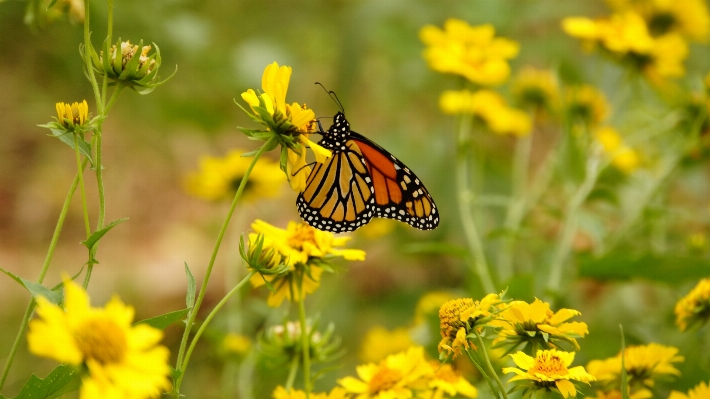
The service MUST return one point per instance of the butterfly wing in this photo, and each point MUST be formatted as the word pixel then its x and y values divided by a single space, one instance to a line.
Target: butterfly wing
pixel 339 195
pixel 398 193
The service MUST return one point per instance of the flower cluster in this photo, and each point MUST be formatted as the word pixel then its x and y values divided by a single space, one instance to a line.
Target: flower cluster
pixel 548 370
pixel 490 108
pixel 469 51
pixel 622 156
pixel 626 37
pixel 219 178
pixel 643 363
pixel 303 249
pixel 694 309
pixel 120 360
pixel 290 124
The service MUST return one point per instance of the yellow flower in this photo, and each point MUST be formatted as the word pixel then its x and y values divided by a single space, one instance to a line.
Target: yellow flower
pixel 378 227
pixel 448 381
pixel 587 104
pixel 536 88
pixel 219 178
pixel 299 245
pixel 470 51
pixel 74 115
pixel 700 391
pixel 547 368
pixel 395 377
pixel 236 343
pixel 429 305
pixel 281 393
pixel 687 17
pixel 694 308
pixel 490 108
pixel 452 328
pixel 616 394
pixel 122 360
pixel 379 342
pixel 622 156
pixel 644 363
pixel 536 325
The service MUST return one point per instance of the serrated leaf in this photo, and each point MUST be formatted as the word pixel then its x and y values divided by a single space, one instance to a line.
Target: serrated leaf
pixel 163 321
pixel 61 380
pixel 37 290
pixel 191 288
pixel 68 139
pixel 96 235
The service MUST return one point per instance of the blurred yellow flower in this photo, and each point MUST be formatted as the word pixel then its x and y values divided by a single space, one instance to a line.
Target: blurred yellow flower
pixel 470 51
pixel 236 343
pixel 448 381
pixel 429 304
pixel 687 17
pixel 219 178
pixel 586 103
pixel 534 324
pixel 622 156
pixel 700 391
pixel 380 342
pixel 378 227
pixel 547 368
pixel 490 108
pixel 395 377
pixel 694 309
pixel 281 393
pixel 644 363
pixel 74 115
pixel 299 244
pixel 616 394
pixel 536 88
pixel 120 360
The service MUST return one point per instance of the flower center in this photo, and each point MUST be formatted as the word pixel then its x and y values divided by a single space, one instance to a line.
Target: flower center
pixel 302 233
pixel 548 365
pixel 102 340
pixel 450 315
pixel 384 379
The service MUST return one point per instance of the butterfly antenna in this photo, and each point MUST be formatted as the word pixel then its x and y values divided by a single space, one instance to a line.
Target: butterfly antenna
pixel 333 97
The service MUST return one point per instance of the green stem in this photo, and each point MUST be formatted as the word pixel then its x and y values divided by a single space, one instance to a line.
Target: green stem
pixel 566 237
pixel 305 336
pixel 80 170
pixel 480 266
pixel 203 289
pixel 476 363
pixel 88 61
pixel 42 273
pixel 207 321
pixel 490 366
pixel 292 373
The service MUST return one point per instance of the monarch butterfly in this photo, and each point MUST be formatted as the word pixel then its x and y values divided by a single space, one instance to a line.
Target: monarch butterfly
pixel 360 181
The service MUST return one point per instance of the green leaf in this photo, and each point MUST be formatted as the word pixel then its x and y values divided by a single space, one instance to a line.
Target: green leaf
pixel 61 380
pixel 68 139
pixel 37 290
pixel 191 288
pixel 624 265
pixel 96 236
pixel 163 321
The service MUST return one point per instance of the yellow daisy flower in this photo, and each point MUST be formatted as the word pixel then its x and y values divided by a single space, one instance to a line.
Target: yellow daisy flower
pixel 74 115
pixel 687 17
pixel 219 178
pixel 299 245
pixel 694 308
pixel 622 156
pixel 281 393
pixel 448 381
pixel 490 108
pixel 459 317
pixel 700 391
pixel 536 88
pixel 587 104
pixel 616 394
pixel 470 51
pixel 547 368
pixel 535 324
pixel 380 342
pixel 644 364
pixel 121 360
pixel 395 377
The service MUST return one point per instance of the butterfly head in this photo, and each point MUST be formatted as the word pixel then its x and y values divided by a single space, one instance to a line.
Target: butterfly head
pixel 340 124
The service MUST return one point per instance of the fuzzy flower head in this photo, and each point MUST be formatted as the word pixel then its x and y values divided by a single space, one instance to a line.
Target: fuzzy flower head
pixel 121 360
pixel 548 370
pixel 489 108
pixel 219 178
pixel 289 123
pixel 644 364
pixel 623 157
pixel 700 391
pixel 586 104
pixel 130 65
pixel 459 317
pixel 535 325
pixel 398 376
pixel 693 310
pixel 469 51
pixel 537 89
pixel 305 251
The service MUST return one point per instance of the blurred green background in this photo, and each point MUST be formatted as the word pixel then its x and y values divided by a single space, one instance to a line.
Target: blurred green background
pixel 369 53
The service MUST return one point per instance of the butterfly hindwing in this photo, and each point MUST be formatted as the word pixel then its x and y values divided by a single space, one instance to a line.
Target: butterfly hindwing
pixel 362 180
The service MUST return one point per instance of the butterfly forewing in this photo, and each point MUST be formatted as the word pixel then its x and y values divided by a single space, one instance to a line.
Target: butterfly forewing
pixel 360 181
